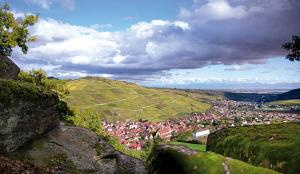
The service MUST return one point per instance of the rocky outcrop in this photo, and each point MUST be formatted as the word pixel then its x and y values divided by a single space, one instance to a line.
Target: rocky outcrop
pixel 8 69
pixel 74 149
pixel 166 158
pixel 26 113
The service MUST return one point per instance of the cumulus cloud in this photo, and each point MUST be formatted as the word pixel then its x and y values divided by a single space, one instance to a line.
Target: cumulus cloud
pixel 215 10
pixel 229 32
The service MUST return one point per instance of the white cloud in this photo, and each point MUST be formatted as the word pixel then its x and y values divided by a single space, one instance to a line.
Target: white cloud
pixel 146 49
pixel 216 10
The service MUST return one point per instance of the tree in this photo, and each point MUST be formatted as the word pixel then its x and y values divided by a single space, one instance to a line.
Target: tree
pixel 14 31
pixel 293 48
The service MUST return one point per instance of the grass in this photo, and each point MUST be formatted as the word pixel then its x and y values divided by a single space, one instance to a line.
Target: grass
pixel 169 160
pixel 117 100
pixel 295 102
pixel 275 146
pixel 196 147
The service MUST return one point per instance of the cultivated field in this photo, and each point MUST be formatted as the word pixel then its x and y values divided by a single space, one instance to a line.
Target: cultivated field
pixel 116 100
pixel 295 102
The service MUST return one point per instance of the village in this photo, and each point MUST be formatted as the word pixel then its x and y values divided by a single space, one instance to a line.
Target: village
pixel 134 134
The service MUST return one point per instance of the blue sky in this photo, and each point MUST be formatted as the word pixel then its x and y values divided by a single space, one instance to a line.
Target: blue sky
pixel 119 13
pixel 170 43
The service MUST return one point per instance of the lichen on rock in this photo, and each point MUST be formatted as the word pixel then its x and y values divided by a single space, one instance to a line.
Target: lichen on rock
pixel 26 113
pixel 8 69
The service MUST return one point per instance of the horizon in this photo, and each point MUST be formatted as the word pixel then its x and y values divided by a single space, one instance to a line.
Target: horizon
pixel 173 44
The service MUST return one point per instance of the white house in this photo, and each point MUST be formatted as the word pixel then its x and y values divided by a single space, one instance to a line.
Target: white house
pixel 201 133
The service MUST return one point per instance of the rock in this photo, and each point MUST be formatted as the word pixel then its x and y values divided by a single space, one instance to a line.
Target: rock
pixel 8 69
pixel 78 149
pixel 26 113
pixel 167 158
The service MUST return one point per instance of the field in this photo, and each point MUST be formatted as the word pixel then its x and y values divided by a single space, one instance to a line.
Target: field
pixel 116 100
pixel 275 146
pixel 295 102
pixel 196 147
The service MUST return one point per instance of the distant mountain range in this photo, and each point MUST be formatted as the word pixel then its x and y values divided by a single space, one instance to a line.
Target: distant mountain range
pixel 263 97
pixel 281 87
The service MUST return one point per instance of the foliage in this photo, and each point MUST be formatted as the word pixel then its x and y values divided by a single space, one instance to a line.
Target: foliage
pixel 275 146
pixel 39 78
pixel 293 48
pixel 183 136
pixel 169 160
pixel 34 76
pixel 24 91
pixel 64 110
pixel 14 31
pixel 87 119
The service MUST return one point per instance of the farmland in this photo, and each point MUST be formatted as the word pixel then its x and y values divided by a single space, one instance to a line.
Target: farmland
pixel 116 100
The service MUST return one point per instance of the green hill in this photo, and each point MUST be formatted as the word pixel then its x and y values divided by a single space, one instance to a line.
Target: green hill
pixel 178 160
pixel 295 102
pixel 275 146
pixel 117 100
pixel 290 95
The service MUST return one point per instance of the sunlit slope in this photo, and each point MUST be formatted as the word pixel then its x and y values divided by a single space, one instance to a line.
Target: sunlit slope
pixel 117 100
pixel 285 102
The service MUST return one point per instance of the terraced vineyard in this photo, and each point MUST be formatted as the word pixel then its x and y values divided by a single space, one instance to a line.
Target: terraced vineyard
pixel 117 100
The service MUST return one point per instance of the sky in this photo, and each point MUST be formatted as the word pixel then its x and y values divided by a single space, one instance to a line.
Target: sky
pixel 211 44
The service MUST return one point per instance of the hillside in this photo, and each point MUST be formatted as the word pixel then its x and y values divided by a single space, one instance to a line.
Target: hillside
pixel 117 100
pixel 255 97
pixel 290 95
pixel 180 160
pixel 275 146
pixel 249 97
pixel 295 102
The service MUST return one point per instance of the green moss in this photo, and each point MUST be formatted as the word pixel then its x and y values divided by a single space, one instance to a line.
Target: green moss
pixel 274 146
pixel 61 160
pixel 99 149
pixel 12 90
pixel 2 64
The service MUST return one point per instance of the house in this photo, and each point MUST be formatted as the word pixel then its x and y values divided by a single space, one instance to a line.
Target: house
pixel 201 133
pixel 135 145
pixel 165 133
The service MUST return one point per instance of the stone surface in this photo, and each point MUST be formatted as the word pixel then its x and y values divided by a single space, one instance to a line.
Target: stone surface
pixel 168 158
pixel 83 150
pixel 8 69
pixel 26 113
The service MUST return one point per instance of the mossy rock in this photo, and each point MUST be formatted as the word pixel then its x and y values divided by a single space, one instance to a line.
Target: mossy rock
pixel 26 113
pixel 8 69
